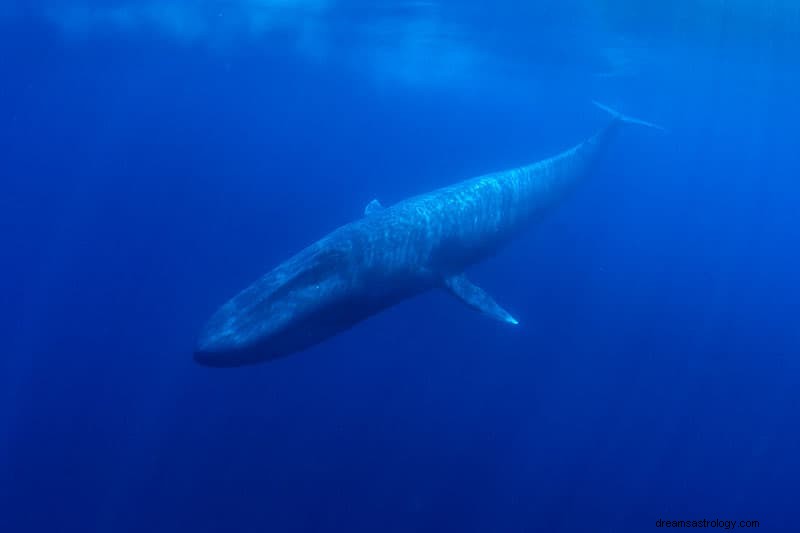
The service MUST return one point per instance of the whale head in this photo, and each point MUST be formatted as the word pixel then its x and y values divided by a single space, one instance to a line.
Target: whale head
pixel 298 304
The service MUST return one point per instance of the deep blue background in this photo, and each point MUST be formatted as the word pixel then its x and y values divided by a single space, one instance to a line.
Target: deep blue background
pixel 147 178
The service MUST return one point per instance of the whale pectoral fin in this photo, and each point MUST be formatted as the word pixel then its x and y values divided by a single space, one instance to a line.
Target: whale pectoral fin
pixel 477 298
pixel 373 207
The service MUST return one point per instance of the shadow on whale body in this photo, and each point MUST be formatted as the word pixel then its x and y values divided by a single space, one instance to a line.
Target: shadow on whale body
pixel 391 254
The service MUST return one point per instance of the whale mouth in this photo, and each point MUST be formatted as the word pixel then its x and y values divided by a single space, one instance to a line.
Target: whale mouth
pixel 215 358
pixel 211 359
pixel 225 348
pixel 294 306
pixel 230 340
pixel 234 338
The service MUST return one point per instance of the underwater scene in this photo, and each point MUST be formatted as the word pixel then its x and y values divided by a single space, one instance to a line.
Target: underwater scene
pixel 399 266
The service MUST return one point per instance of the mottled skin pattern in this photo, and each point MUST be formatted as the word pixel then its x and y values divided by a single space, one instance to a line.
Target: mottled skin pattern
pixel 387 256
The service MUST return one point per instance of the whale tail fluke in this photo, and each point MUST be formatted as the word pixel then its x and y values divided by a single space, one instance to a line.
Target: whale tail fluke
pixel 625 118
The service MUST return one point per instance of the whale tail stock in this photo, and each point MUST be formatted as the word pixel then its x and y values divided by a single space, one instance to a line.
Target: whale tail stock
pixel 625 118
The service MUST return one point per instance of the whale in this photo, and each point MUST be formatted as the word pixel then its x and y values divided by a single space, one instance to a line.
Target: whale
pixel 394 253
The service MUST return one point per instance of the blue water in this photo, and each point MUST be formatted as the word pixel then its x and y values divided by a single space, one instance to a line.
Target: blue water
pixel 155 158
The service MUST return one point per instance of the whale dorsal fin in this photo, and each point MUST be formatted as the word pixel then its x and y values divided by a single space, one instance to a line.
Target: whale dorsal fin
pixel 373 207
pixel 477 298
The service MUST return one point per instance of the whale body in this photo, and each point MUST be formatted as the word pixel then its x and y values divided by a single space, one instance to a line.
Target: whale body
pixel 394 253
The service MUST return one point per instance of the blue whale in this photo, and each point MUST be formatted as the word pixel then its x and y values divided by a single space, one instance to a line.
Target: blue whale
pixel 394 253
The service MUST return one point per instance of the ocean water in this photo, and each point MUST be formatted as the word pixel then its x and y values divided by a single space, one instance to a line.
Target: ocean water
pixel 157 157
